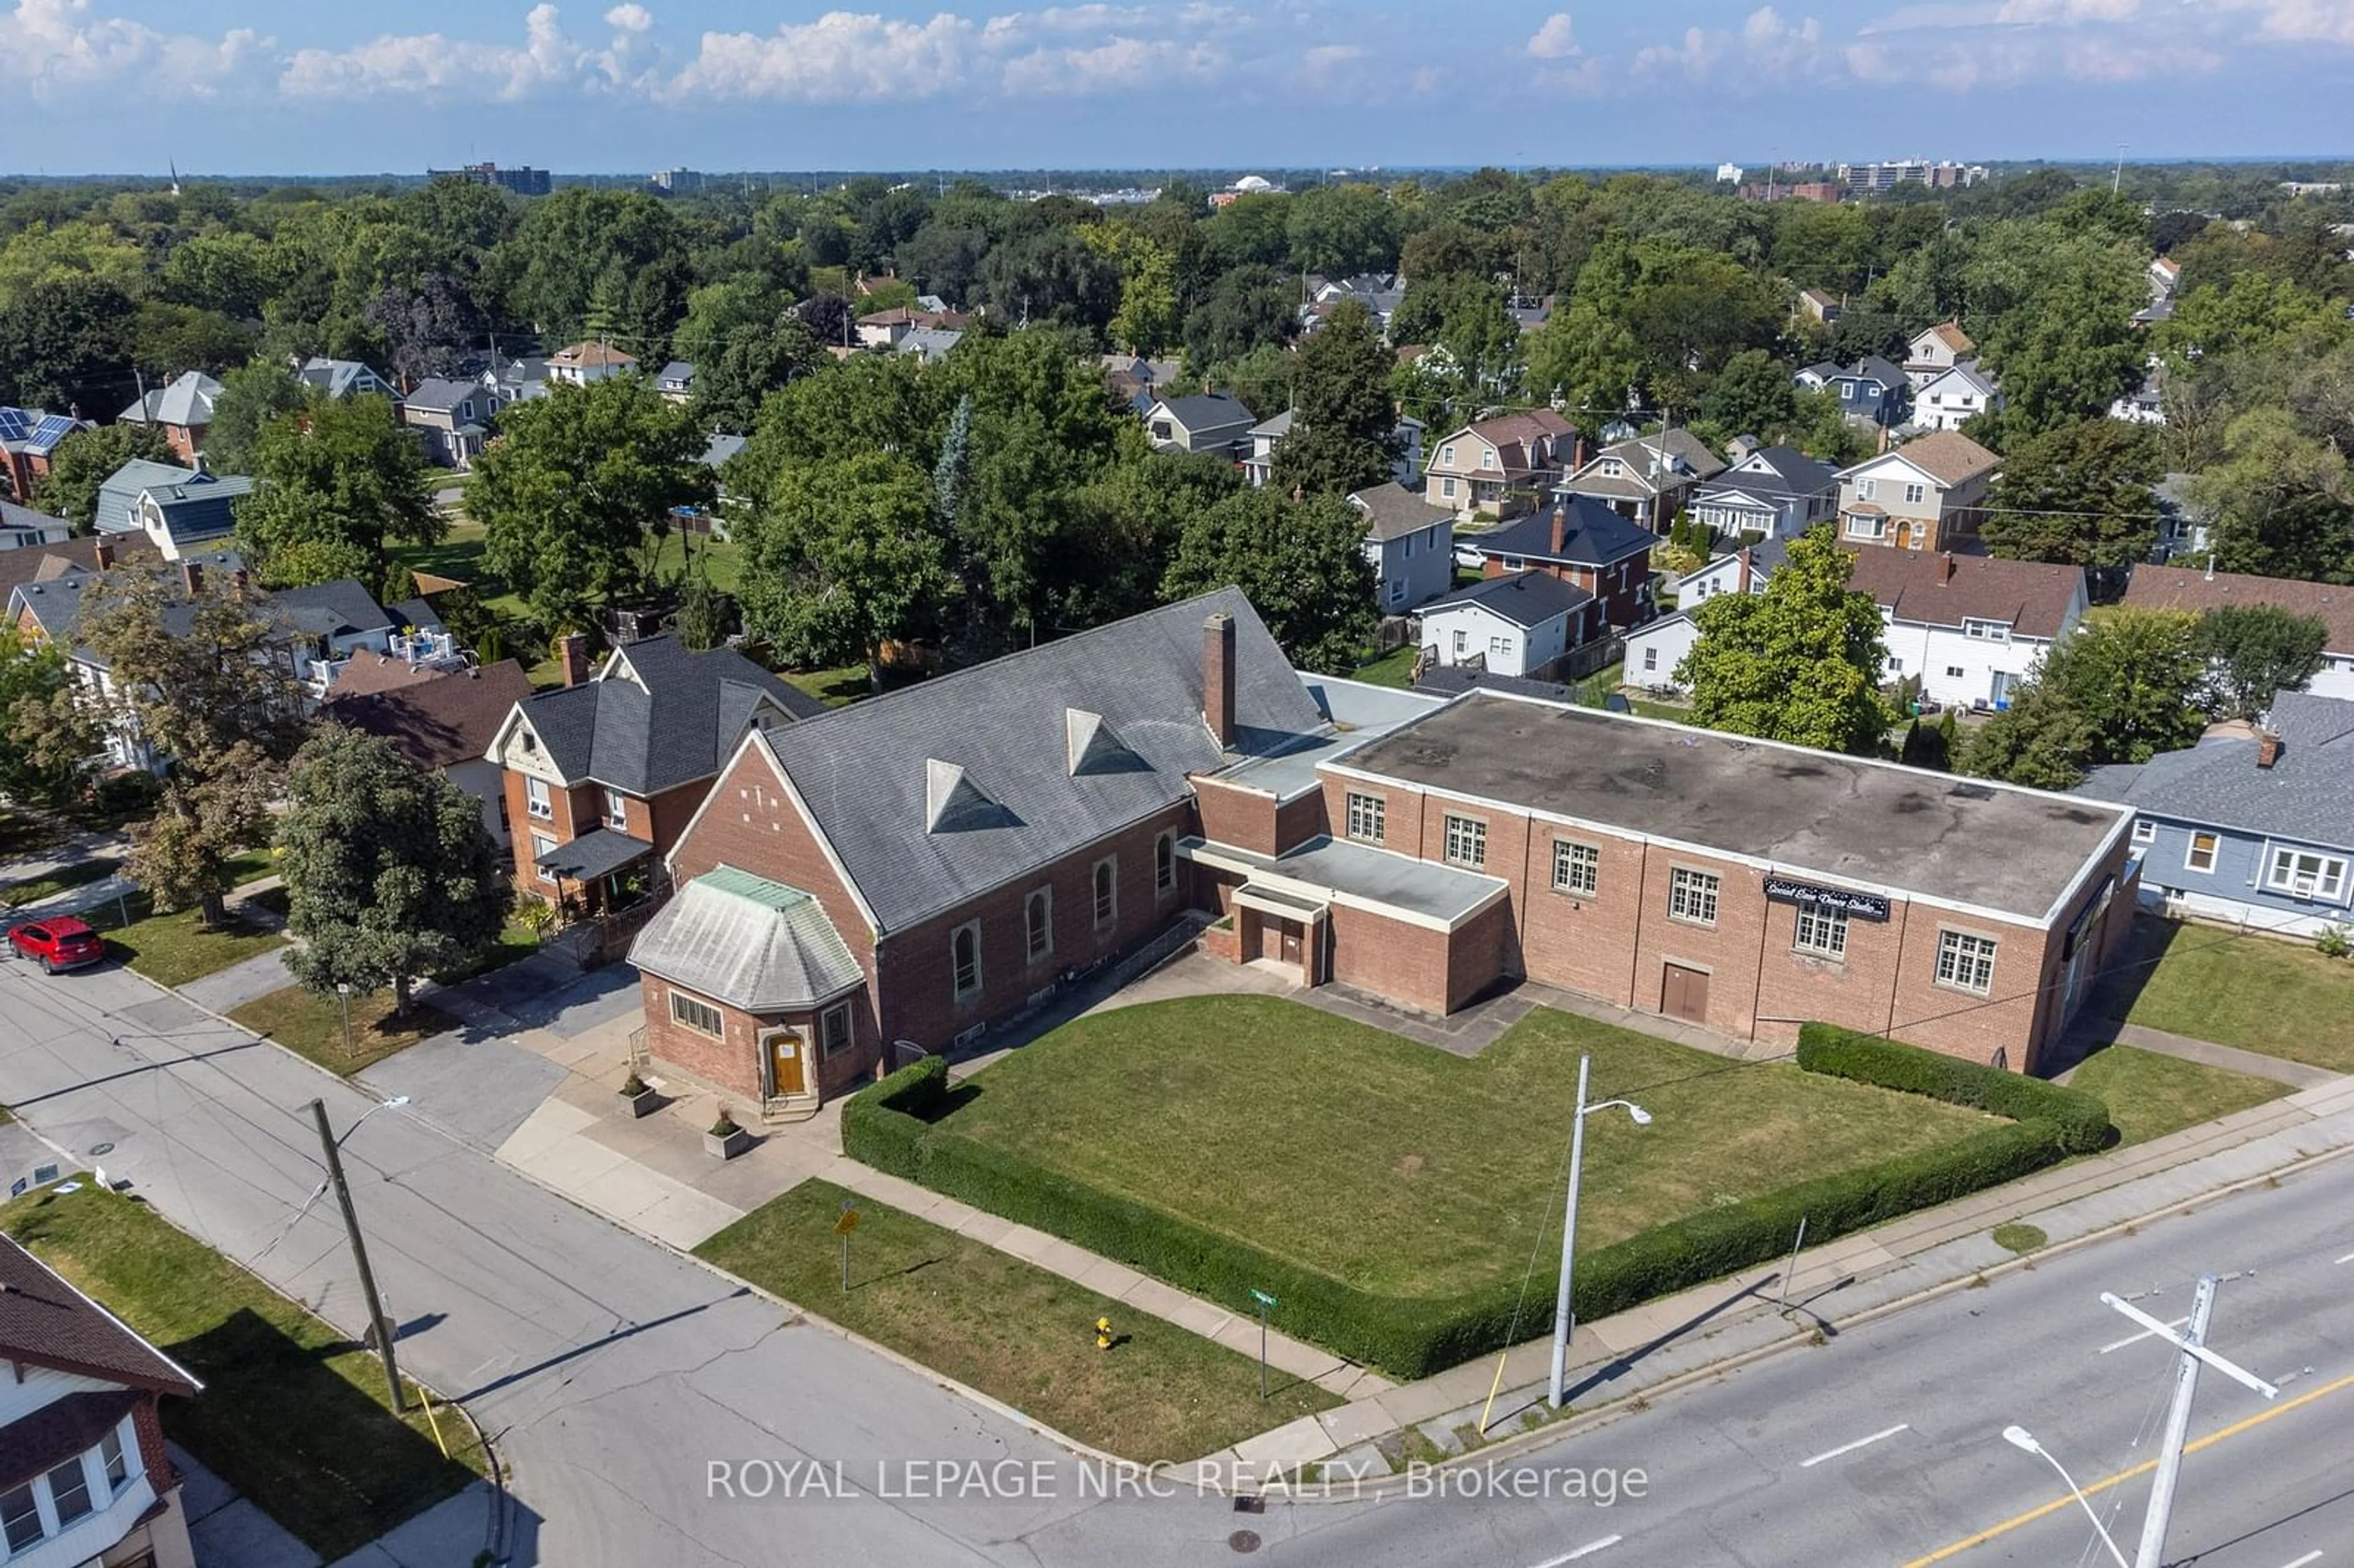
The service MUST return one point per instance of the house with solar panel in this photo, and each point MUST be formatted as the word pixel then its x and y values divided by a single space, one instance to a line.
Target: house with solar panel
pixel 28 439
pixel 178 510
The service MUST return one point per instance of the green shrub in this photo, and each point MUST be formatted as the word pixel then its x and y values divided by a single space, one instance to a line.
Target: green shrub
pixel 896 1127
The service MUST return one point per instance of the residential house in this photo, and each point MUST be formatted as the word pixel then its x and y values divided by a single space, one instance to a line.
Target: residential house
pixel 1500 467
pixel 452 419
pixel 1935 351
pixel 438 705
pixel 326 625
pixel 1409 435
pixel 182 411
pixel 1819 304
pixel 1970 628
pixel 1817 376
pixel 930 344
pixel 90 552
pixel 1259 466
pixel 603 774
pixel 1647 480
pixel 343 378
pixel 2145 404
pixel 514 380
pixel 1774 493
pixel 585 363
pixel 2201 590
pixel 88 1478
pixel 1656 648
pixel 1137 384
pixel 676 381
pixel 177 510
pixel 1517 625
pixel 2185 526
pixel 1871 392
pixel 1952 397
pixel 2253 824
pixel 1410 544
pixel 1207 422
pixel 884 329
pixel 1587 546
pixel 1922 496
pixel 28 439
pixel 914 872
pixel 22 528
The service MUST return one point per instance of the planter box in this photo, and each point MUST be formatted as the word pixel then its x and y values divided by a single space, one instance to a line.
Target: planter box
pixel 728 1147
pixel 644 1105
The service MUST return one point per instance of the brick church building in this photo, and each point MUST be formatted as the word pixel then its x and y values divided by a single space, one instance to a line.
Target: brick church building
pixel 920 867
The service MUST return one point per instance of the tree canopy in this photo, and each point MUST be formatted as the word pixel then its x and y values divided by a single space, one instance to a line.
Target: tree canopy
pixel 1800 663
pixel 2121 688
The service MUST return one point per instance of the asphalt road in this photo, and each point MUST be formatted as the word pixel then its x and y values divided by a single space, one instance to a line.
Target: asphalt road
pixel 617 1375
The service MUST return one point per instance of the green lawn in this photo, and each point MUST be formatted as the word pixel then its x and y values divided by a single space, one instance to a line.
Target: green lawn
pixel 81 874
pixel 2151 1095
pixel 252 865
pixel 292 1414
pixel 1395 668
pixel 837 687
pixel 2260 993
pixel 173 950
pixel 516 943
pixel 723 560
pixel 1403 1168
pixel 305 1022
pixel 1010 1328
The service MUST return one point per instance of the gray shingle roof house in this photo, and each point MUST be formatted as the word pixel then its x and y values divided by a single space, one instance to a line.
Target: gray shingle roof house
pixel 185 402
pixel 1778 492
pixel 2254 826
pixel 343 377
pixel 1203 422
pixel 1595 536
pixel 174 508
pixel 1524 598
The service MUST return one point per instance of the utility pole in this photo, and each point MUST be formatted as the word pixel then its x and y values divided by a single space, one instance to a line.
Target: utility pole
pixel 378 1324
pixel 2118 181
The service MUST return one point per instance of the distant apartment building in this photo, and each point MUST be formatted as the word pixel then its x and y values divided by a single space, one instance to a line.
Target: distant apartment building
pixel 677 182
pixel 1866 179
pixel 524 181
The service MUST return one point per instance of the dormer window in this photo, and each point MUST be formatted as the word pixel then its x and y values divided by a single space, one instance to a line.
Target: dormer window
pixel 1612 468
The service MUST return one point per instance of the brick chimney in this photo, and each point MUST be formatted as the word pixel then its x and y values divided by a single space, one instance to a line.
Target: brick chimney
pixel 2268 749
pixel 1218 676
pixel 572 648
pixel 101 553
pixel 192 576
pixel 1945 567
pixel 1560 528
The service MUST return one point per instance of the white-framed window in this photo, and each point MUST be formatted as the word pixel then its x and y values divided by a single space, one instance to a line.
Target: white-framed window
pixel 1611 468
pixel 1164 864
pixel 20 1517
pixel 2201 855
pixel 1161 432
pixel 1467 841
pixel 1447 458
pixel 1691 896
pixel 617 811
pixel 1965 961
pixel 691 1012
pixel 1462 642
pixel 535 798
pixel 542 847
pixel 1821 932
pixel 1038 923
pixel 1953 671
pixel 2145 831
pixel 1861 525
pixel 1447 487
pixel 1987 630
pixel 1487 457
pixel 1916 493
pixel 1576 868
pixel 1864 487
pixel 2303 874
pixel 1500 647
pixel 1650 658
pixel 964 960
pixel 1515 564
pixel 112 1462
pixel 833 1032
pixel 1107 891
pixel 1367 818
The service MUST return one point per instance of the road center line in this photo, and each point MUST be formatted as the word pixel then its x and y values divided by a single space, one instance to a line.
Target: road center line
pixel 1590 1547
pixel 2135 1339
pixel 1859 1443
pixel 2309 1557
pixel 2348 1258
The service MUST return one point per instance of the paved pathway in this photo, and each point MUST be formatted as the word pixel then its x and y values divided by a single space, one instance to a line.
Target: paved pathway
pixel 2097 1033
pixel 226 990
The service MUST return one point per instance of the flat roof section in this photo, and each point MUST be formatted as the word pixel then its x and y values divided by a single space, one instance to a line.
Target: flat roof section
pixel 2012 851
pixel 1437 892
pixel 1357 712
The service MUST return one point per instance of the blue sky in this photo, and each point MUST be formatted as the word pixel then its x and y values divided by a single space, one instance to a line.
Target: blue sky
pixel 357 86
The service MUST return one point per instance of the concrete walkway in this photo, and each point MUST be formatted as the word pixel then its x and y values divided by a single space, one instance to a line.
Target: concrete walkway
pixel 248 979
pixel 2097 1033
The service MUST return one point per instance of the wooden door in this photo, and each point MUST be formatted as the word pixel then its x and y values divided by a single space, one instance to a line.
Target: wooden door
pixel 785 1058
pixel 1683 993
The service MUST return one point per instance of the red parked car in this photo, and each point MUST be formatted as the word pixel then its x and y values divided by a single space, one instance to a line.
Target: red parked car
pixel 62 943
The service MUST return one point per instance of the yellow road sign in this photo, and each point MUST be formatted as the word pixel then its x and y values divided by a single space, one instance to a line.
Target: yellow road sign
pixel 848 1223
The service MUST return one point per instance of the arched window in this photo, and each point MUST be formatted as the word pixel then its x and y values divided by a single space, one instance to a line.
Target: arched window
pixel 1106 891
pixel 1164 863
pixel 964 960
pixel 1038 917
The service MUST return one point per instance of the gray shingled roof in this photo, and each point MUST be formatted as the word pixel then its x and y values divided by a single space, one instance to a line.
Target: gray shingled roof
pixel 1787 472
pixel 2301 796
pixel 861 769
pixel 1208 411
pixel 754 944
pixel 681 725
pixel 1595 537
pixel 443 397
pixel 1391 511
pixel 1524 598
pixel 339 609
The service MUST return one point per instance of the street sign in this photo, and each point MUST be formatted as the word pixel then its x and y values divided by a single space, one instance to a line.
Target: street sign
pixel 1264 1299
pixel 848 1223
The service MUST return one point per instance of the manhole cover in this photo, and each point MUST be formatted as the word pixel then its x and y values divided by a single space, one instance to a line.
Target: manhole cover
pixel 1244 1541
pixel 98 1148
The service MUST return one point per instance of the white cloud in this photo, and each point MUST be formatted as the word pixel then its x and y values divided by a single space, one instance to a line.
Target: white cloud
pixel 840 56
pixel 56 48
pixel 1555 41
pixel 630 18
pixel 2300 21
pixel 1115 65
pixel 434 65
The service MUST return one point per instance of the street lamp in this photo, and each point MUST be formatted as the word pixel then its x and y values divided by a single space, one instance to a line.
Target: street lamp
pixel 2020 1437
pixel 393 1104
pixel 1562 1316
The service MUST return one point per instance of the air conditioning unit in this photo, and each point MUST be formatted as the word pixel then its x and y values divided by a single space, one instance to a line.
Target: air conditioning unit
pixel 2302 887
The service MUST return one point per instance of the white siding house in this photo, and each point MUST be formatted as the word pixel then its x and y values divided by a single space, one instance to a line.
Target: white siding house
pixel 1411 544
pixel 1972 629
pixel 1653 651
pixel 1514 625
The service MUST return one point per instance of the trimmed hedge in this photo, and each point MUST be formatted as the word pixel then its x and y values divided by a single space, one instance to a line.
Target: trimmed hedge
pixel 2082 1119
pixel 896 1125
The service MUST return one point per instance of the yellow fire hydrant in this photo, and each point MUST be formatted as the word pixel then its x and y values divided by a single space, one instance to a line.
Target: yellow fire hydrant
pixel 1103 1333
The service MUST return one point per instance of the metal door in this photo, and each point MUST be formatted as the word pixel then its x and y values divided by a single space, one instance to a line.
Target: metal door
pixel 1683 993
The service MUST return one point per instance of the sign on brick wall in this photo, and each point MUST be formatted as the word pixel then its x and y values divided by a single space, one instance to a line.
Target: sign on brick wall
pixel 1857 906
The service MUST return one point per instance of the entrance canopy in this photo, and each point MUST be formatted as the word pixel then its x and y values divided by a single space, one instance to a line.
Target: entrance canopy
pixel 601 852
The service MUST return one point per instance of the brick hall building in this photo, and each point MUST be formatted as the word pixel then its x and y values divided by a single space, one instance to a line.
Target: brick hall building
pixel 923 866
